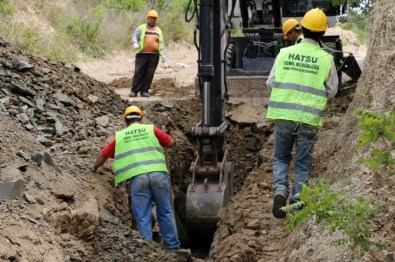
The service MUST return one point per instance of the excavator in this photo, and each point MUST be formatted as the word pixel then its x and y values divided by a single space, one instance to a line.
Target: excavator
pixel 248 55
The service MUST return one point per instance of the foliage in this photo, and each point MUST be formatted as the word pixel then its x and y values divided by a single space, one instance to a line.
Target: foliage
pixel 357 17
pixel 128 5
pixel 172 21
pixel 86 32
pixel 374 127
pixel 30 39
pixel 364 6
pixel 332 210
pixel 6 7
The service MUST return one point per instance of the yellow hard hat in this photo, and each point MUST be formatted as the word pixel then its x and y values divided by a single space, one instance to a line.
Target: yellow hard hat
pixel 315 20
pixel 152 13
pixel 289 25
pixel 133 109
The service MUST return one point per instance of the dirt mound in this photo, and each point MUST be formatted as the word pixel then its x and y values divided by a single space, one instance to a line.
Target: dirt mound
pixel 54 121
pixel 164 87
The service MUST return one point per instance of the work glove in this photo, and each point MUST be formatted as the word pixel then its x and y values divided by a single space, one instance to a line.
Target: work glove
pixel 163 58
pixel 135 46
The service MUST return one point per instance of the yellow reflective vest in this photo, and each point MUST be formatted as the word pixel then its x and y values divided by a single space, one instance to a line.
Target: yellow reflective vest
pixel 299 92
pixel 143 29
pixel 137 151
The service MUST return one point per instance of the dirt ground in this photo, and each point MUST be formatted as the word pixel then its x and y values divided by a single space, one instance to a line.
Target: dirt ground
pixel 67 213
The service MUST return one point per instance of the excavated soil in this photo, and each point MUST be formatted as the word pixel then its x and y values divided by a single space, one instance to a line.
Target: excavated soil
pixel 56 118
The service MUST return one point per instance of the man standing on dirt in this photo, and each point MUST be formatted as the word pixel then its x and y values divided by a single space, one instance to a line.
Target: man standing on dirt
pixel 148 42
pixel 292 31
pixel 140 162
pixel 301 81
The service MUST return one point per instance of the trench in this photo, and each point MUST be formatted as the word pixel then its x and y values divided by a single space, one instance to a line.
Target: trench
pixel 244 141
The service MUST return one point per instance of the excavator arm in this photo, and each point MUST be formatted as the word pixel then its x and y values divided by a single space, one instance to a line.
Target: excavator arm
pixel 212 172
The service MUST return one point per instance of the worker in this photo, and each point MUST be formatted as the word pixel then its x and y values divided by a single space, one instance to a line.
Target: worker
pixel 149 45
pixel 302 79
pixel 140 163
pixel 292 31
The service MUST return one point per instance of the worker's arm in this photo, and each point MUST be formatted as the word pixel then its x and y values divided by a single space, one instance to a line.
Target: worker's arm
pixel 162 40
pixel 100 160
pixel 333 81
pixel 136 36
pixel 107 152
pixel 270 79
pixel 165 140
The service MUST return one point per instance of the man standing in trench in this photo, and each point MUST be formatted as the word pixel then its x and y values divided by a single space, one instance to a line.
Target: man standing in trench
pixel 149 44
pixel 301 81
pixel 139 160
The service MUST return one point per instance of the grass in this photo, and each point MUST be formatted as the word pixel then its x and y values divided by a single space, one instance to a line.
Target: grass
pixel 89 28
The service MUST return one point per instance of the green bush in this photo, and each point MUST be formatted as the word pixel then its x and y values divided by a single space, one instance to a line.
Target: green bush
pixel 334 211
pixel 347 26
pixel 374 127
pixel 6 7
pixel 128 5
pixel 22 37
pixel 172 21
pixel 86 32
pixel 96 27
pixel 31 40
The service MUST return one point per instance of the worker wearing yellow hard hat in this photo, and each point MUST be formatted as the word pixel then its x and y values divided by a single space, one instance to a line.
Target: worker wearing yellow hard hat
pixel 301 81
pixel 140 164
pixel 292 31
pixel 133 112
pixel 149 45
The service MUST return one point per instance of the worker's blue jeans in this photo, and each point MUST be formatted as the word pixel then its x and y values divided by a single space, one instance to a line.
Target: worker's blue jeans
pixel 148 188
pixel 287 134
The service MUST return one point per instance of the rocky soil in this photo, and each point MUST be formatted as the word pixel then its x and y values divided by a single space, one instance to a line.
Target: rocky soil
pixel 56 118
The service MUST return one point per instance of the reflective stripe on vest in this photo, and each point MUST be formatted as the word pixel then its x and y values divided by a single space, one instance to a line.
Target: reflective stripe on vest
pixel 143 29
pixel 137 151
pixel 298 92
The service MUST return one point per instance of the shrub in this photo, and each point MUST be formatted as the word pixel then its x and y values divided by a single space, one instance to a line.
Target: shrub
pixel 6 7
pixel 86 31
pixel 335 211
pixel 374 127
pixel 128 5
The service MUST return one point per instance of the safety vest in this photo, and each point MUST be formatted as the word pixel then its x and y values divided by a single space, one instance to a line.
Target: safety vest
pixel 137 151
pixel 300 39
pixel 143 29
pixel 298 92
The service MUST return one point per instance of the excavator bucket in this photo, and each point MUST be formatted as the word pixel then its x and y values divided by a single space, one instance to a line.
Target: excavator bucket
pixel 206 195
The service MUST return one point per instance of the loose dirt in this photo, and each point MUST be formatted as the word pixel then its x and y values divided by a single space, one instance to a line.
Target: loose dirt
pixel 67 213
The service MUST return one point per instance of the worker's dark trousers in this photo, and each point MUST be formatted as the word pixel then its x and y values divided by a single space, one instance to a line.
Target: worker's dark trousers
pixel 145 66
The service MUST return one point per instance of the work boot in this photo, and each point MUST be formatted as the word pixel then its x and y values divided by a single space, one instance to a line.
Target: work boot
pixel 183 255
pixel 279 202
pixel 145 94
pixel 132 94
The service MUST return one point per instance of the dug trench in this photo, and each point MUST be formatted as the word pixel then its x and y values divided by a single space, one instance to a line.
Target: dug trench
pixel 54 121
pixel 246 230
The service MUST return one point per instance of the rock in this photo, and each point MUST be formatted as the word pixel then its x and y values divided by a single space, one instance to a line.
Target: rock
pixel 102 121
pixel 21 65
pixel 24 155
pixel 11 190
pixel 64 99
pixel 9 173
pixel 21 88
pixel 248 114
